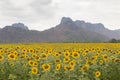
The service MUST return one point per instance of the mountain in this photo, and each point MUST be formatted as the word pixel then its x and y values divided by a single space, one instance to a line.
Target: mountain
pixel 67 31
pixel 10 34
pixel 99 28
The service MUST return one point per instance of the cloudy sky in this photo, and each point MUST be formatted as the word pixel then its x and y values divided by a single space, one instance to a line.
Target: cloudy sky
pixel 43 14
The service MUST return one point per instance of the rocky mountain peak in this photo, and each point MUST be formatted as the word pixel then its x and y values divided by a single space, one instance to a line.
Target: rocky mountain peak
pixel 20 25
pixel 65 20
pixel 68 23
pixel 79 22
pixel 99 25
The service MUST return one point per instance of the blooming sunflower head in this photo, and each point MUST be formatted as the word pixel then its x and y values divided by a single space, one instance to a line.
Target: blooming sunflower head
pixel 12 56
pixel 101 62
pixel 85 67
pixel 67 54
pixel 34 70
pixel 68 68
pixel 46 67
pixel 72 63
pixel 66 59
pixel 1 57
pixel 44 56
pixel 105 56
pixel 58 67
pixel 75 55
pixel 97 74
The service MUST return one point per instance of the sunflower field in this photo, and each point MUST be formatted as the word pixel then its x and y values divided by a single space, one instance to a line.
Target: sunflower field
pixel 60 61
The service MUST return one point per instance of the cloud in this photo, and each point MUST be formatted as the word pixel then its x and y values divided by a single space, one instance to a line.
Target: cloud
pixel 47 13
pixel 12 10
pixel 27 10
pixel 43 8
pixel 101 11
pixel 37 14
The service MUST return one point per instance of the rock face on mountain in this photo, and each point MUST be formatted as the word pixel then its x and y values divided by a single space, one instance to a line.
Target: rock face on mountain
pixel 20 25
pixel 67 31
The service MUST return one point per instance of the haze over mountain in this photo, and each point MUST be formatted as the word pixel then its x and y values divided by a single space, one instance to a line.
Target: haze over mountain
pixel 67 31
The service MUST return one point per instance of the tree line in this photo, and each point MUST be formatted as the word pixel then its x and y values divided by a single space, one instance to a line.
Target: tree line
pixel 114 40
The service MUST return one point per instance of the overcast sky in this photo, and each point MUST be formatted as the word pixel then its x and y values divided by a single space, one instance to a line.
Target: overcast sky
pixel 43 14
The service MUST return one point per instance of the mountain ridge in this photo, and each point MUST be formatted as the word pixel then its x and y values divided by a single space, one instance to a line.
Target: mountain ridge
pixel 67 31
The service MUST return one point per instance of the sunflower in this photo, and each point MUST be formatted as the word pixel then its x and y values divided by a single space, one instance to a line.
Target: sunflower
pixel 75 55
pixel 31 62
pixel 97 73
pixel 97 54
pixel 105 56
pixel 23 53
pixel 84 54
pixel 31 50
pixel 24 50
pixel 57 61
pixel 67 54
pixel 1 51
pixel 26 57
pixel 56 54
pixel 66 59
pixel 35 64
pixel 68 68
pixel 86 58
pixel 37 58
pixel 58 67
pixel 12 56
pixel 1 57
pixel 72 63
pixel 44 56
pixel 117 60
pixel 71 67
pixel 101 62
pixel 46 67
pixel 34 55
pixel 85 67
pixel 94 58
pixel 34 70
pixel 89 62
pixel 16 53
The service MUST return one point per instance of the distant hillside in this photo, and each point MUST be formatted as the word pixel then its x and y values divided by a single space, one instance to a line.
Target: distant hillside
pixel 67 31
pixel 99 28
pixel 11 34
